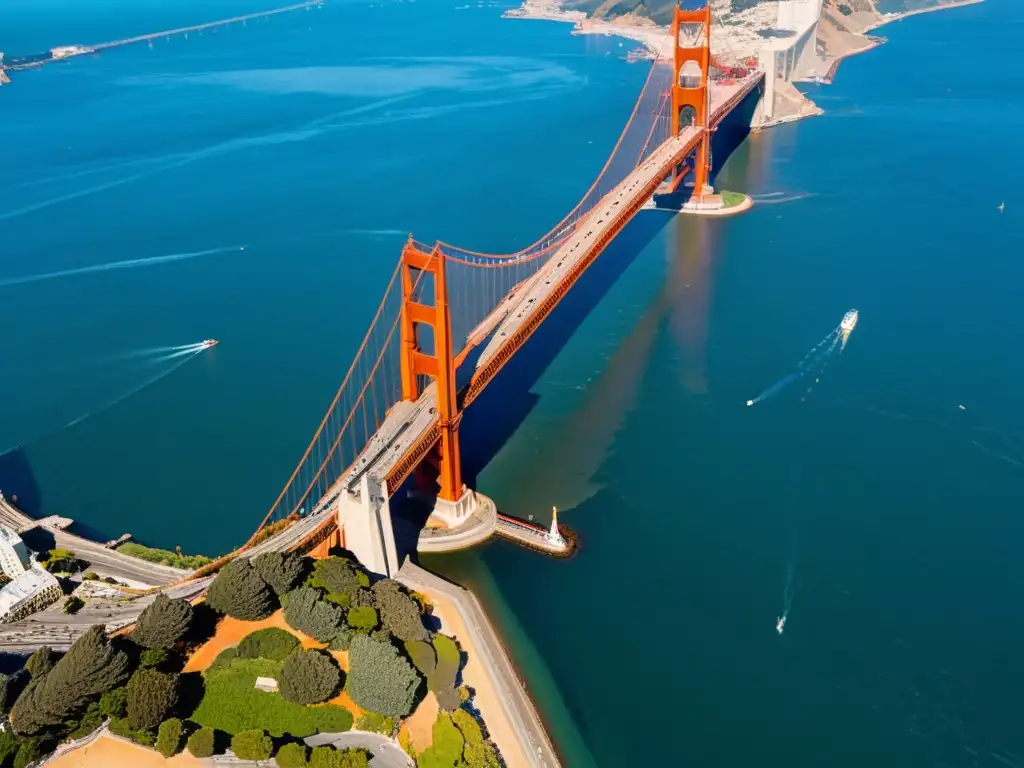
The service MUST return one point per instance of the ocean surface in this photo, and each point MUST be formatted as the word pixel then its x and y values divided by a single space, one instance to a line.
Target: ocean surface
pixel 888 497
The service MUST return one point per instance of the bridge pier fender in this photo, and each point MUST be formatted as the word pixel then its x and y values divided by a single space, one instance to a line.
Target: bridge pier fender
pixel 456 513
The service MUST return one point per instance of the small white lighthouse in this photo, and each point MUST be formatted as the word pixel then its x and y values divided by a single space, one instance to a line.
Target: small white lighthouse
pixel 554 535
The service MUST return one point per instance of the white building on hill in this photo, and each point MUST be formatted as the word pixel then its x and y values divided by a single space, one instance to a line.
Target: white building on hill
pixel 32 591
pixel 13 553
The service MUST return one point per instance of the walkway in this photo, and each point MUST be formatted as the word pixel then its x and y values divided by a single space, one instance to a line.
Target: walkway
pixel 513 723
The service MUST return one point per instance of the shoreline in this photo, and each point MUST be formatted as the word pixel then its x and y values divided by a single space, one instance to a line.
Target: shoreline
pixel 891 17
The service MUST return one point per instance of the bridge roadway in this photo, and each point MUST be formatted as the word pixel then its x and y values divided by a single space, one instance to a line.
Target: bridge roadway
pixel 410 429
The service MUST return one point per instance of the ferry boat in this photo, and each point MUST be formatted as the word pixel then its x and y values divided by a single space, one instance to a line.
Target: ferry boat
pixel 207 343
pixel 849 321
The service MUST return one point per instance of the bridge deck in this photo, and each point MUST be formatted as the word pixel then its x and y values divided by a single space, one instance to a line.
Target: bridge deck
pixel 412 427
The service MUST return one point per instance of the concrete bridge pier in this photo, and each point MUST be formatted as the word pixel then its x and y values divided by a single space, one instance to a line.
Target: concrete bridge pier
pixel 364 523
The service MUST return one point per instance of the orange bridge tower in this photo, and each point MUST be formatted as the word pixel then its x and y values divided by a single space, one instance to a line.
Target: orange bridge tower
pixel 424 273
pixel 691 96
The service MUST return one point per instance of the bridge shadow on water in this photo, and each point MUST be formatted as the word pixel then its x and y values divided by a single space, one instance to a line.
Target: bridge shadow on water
pixel 493 418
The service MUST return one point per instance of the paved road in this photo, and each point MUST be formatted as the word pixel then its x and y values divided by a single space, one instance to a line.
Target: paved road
pixel 55 628
pixel 386 752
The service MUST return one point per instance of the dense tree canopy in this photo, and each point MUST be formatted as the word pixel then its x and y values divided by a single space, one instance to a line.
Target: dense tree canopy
pixel 163 623
pixel 399 612
pixel 239 591
pixel 309 677
pixel 291 755
pixel 151 697
pixel 90 668
pixel 281 570
pixel 379 679
pixel 307 613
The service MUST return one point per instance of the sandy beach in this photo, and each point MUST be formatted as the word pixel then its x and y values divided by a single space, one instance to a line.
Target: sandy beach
pixel 111 752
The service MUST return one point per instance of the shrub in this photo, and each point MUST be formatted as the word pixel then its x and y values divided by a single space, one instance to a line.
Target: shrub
pixel 291 755
pixel 481 756
pixel 200 743
pixel 307 613
pixel 252 745
pixel 231 703
pixel 163 556
pixel 7 694
pixel 224 659
pixel 151 697
pixel 337 575
pixel 309 677
pixel 8 746
pixel 114 703
pixel 446 747
pixel 238 591
pixel 280 570
pixel 355 758
pixel 123 728
pixel 29 751
pixel 339 598
pixel 371 721
pixel 91 720
pixel 163 623
pixel 42 661
pixel 153 657
pixel 168 738
pixel 423 656
pixel 379 679
pixel 328 757
pixel 341 641
pixel 399 612
pixel 468 726
pixel 271 643
pixel 72 604
pixel 90 668
pixel 362 618
pixel 442 682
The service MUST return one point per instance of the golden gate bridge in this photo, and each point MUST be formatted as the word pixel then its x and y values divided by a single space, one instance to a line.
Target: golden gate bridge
pixel 452 318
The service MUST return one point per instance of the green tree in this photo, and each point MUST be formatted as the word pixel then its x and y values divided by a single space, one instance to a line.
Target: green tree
pixel 271 643
pixel 72 604
pixel 355 758
pixel 442 682
pixel 325 757
pixel 239 591
pixel 224 659
pixel 337 575
pixel 114 703
pixel 42 661
pixel 7 690
pixel 341 641
pixel 252 745
pixel 362 618
pixel 468 727
pixel 281 570
pixel 371 721
pixel 168 738
pixel 307 613
pixel 90 668
pixel 8 747
pixel 309 677
pixel 200 743
pixel 29 751
pixel 291 755
pixel 163 623
pixel 399 612
pixel 89 722
pixel 379 679
pixel 446 748
pixel 151 697
pixel 153 657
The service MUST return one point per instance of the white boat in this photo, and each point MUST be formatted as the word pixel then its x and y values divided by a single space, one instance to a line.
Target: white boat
pixel 207 343
pixel 849 321
pixel 780 625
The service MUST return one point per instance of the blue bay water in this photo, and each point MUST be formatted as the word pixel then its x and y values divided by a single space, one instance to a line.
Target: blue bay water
pixel 317 139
